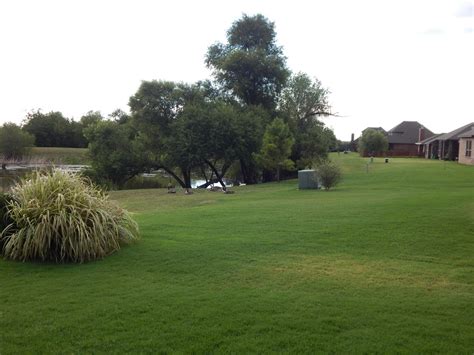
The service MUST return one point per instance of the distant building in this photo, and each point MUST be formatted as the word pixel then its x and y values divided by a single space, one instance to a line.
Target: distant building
pixel 429 147
pixel 448 145
pixel 403 138
pixel 466 154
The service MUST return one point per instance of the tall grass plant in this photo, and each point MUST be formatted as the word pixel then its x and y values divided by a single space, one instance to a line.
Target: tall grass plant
pixel 60 217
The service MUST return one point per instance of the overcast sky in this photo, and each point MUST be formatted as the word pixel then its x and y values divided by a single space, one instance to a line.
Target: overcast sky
pixel 384 61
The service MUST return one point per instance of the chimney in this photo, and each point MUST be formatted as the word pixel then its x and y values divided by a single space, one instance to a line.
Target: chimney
pixel 352 137
pixel 421 134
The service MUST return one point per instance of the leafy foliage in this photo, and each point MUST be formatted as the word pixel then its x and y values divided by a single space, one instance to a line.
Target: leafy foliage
pixel 372 142
pixel 54 130
pixel 302 102
pixel 276 147
pixel 250 65
pixel 91 118
pixel 329 173
pixel 59 217
pixel 155 105
pixel 14 142
pixel 117 152
pixel 155 109
pixel 202 133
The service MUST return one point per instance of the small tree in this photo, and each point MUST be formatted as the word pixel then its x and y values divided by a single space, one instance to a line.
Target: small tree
pixel 276 148
pixel 329 173
pixel 372 142
pixel 14 142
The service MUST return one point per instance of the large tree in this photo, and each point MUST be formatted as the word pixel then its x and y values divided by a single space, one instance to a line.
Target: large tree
pixel 302 102
pixel 206 135
pixel 252 69
pixel 155 108
pixel 250 65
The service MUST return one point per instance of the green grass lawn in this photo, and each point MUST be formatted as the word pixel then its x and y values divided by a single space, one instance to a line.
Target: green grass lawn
pixel 59 155
pixel 383 263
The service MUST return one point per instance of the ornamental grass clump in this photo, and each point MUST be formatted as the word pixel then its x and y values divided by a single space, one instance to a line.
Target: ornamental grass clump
pixel 60 217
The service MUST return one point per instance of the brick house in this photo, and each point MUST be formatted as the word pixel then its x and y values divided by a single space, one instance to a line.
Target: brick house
pixel 446 146
pixel 403 138
pixel 429 147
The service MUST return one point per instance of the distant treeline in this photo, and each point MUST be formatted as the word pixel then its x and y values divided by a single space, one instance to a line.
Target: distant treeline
pixel 52 129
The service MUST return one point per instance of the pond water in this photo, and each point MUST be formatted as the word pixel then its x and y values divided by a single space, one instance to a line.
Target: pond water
pixel 12 173
pixel 196 183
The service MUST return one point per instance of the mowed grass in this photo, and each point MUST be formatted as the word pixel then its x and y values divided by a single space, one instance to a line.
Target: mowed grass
pixel 59 155
pixel 383 263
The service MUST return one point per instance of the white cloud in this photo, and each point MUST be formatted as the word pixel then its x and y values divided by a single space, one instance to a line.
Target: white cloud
pixel 465 9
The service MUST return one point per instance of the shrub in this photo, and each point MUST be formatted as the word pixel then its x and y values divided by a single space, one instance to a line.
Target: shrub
pixel 329 173
pixel 60 217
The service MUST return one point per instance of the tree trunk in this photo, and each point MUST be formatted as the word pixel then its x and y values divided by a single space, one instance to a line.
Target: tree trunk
pixel 218 176
pixel 186 177
pixel 249 173
pixel 210 182
pixel 208 179
pixel 176 177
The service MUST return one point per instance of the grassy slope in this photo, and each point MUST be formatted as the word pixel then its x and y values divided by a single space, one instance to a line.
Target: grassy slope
pixel 382 263
pixel 61 155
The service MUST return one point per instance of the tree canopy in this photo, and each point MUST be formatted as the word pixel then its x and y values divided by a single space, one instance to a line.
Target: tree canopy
pixel 52 129
pixel 14 142
pixel 250 65
pixel 372 142
pixel 302 103
pixel 276 148
pixel 116 151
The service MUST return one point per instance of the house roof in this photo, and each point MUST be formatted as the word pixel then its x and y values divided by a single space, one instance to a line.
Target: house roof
pixel 429 139
pixel 407 132
pixel 468 134
pixel 454 135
